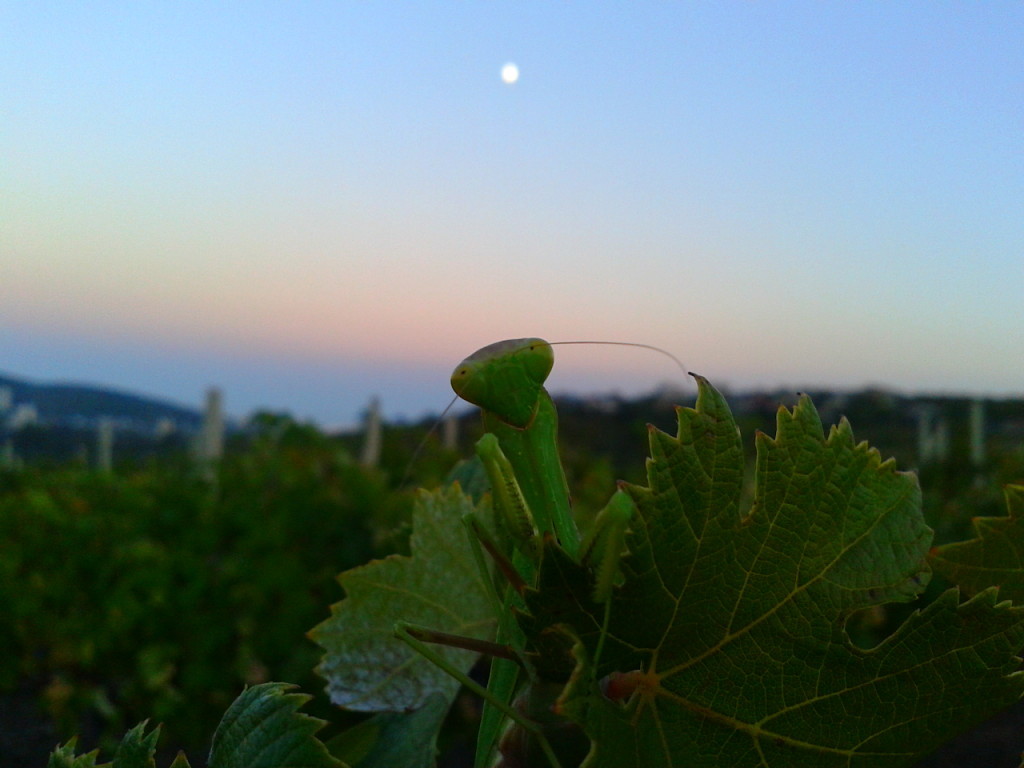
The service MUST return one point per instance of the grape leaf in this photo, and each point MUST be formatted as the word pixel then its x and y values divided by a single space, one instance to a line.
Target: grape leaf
pixel 136 750
pixel 393 739
pixel 726 641
pixel 439 586
pixel 994 558
pixel 264 729
pixel 261 729
pixel 64 756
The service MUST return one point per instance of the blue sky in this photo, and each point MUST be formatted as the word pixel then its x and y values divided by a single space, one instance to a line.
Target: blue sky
pixel 310 204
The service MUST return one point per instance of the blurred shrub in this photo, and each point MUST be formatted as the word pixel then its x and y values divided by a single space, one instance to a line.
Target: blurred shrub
pixel 156 594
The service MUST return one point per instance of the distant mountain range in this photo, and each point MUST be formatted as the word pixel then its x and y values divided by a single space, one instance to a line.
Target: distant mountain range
pixel 79 405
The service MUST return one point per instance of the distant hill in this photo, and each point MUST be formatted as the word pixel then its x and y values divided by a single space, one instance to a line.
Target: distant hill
pixel 79 405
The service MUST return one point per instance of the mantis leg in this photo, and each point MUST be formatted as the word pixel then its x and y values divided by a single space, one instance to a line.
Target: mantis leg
pixel 603 548
pixel 510 504
pixel 604 544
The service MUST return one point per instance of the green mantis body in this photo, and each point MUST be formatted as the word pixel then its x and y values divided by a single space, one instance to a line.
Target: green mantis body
pixel 506 379
pixel 532 516
pixel 529 492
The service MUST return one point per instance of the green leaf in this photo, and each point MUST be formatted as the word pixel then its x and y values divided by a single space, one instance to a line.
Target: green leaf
pixel 393 739
pixel 264 729
pixel 994 558
pixel 439 586
pixel 471 477
pixel 64 757
pixel 136 750
pixel 727 637
pixel 261 729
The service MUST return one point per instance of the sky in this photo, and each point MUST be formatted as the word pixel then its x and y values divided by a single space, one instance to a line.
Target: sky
pixel 311 204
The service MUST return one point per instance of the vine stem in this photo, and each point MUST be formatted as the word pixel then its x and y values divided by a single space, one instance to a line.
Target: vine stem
pixel 407 633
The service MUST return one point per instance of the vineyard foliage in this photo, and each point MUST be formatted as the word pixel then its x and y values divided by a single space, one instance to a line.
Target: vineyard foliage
pixel 155 594
pixel 754 603
pixel 262 729
pixel 995 557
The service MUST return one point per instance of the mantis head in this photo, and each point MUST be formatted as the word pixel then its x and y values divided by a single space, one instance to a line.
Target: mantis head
pixel 506 378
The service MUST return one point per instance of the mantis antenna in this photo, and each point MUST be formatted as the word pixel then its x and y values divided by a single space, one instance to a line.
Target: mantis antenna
pixel 659 350
pixel 422 444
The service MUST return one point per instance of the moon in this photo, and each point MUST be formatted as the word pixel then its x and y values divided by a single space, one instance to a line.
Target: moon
pixel 509 73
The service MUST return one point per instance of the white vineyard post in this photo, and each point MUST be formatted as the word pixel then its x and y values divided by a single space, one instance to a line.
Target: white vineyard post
pixel 372 435
pixel 211 438
pixel 932 436
pixel 105 445
pixel 977 422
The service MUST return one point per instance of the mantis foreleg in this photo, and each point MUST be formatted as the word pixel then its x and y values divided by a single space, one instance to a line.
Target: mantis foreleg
pixel 603 548
pixel 510 505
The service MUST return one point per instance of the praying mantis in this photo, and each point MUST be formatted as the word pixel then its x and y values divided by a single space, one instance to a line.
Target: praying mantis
pixel 531 502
